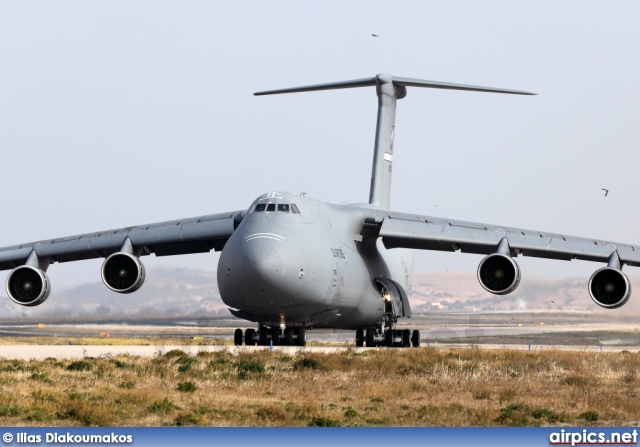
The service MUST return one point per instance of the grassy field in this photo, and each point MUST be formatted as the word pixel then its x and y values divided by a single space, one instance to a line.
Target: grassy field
pixel 386 387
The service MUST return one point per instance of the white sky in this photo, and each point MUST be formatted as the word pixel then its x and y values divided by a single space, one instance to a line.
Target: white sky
pixel 121 113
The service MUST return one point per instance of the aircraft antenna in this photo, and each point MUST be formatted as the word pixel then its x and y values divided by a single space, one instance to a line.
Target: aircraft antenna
pixel 389 89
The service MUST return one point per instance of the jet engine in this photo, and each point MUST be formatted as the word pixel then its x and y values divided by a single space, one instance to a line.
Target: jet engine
pixel 28 286
pixel 123 272
pixel 499 274
pixel 609 288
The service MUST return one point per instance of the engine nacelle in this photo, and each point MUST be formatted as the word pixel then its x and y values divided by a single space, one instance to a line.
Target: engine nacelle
pixel 609 288
pixel 499 274
pixel 28 286
pixel 123 273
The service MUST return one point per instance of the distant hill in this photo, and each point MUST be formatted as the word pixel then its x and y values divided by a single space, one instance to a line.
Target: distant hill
pixel 166 292
pixel 461 291
pixel 191 292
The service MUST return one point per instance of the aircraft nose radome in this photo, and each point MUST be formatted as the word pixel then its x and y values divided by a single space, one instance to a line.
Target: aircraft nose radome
pixel 263 262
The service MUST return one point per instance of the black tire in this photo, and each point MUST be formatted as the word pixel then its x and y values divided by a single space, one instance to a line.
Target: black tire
pixel 415 339
pixel 248 337
pixel 263 336
pixel 237 337
pixel 406 338
pixel 275 335
pixel 359 338
pixel 388 338
pixel 371 340
pixel 301 332
pixel 288 336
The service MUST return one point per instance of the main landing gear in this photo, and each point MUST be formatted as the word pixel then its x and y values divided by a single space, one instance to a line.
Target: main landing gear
pixel 398 338
pixel 264 336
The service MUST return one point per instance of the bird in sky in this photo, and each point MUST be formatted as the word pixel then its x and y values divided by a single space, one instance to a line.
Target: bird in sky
pixel 374 35
pixel 606 191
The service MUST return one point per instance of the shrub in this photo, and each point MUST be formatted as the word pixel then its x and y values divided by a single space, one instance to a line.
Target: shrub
pixel 549 415
pixel 305 363
pixel 514 415
pixel 163 406
pixel 350 413
pixel 250 366
pixel 121 365
pixel 186 419
pixel 185 363
pixel 187 387
pixel 175 353
pixel 322 422
pixel 6 410
pixel 589 416
pixel 40 377
pixel 80 365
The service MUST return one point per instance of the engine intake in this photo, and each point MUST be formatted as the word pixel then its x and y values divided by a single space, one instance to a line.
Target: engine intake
pixel 499 274
pixel 609 288
pixel 123 272
pixel 28 286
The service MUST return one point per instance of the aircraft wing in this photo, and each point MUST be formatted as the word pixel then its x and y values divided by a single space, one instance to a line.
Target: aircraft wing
pixel 435 233
pixel 176 237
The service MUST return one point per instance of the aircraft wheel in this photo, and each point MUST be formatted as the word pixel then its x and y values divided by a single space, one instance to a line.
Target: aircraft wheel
pixel 406 338
pixel 301 332
pixel 237 337
pixel 388 338
pixel 288 336
pixel 248 337
pixel 371 341
pixel 359 338
pixel 263 335
pixel 415 339
pixel 275 335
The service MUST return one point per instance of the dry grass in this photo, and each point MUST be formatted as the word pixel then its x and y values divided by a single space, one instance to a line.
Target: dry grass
pixel 113 341
pixel 390 387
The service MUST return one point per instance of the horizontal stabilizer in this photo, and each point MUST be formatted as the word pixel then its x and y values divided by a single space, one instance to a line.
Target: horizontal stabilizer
pixel 402 82
pixel 408 82
pixel 331 86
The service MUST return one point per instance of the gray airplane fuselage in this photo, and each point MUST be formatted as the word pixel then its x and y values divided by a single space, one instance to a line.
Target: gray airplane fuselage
pixel 298 261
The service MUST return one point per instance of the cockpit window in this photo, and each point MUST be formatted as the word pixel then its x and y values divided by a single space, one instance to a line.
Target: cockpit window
pixel 280 207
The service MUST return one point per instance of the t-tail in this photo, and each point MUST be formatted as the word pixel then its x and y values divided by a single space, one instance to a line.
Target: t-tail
pixel 389 89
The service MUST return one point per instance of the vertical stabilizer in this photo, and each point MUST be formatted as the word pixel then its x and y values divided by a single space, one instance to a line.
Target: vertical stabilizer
pixel 388 94
pixel 389 89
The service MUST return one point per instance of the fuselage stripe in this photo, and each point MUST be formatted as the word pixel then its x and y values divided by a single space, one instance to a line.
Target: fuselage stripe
pixel 273 235
pixel 263 237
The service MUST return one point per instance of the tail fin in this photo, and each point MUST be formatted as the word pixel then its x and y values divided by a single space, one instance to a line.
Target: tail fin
pixel 389 89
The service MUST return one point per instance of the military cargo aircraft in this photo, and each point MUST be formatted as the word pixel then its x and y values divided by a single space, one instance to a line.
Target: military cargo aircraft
pixel 290 263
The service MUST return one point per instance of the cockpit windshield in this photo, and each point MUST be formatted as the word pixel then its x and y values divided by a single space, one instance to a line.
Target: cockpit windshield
pixel 279 207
